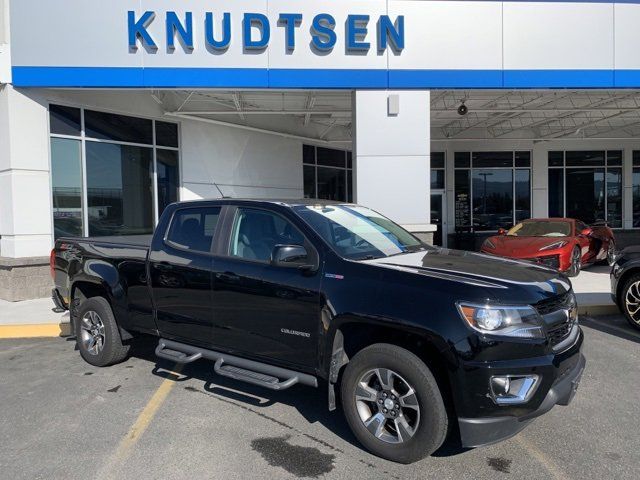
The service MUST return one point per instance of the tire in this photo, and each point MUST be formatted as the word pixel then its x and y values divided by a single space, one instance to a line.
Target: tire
pixel 630 301
pixel 611 253
pixel 427 425
pixel 97 334
pixel 576 263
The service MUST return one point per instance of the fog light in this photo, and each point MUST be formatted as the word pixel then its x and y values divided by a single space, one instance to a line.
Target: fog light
pixel 512 389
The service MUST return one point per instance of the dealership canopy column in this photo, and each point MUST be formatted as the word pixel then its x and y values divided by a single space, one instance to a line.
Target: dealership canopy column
pixel 391 130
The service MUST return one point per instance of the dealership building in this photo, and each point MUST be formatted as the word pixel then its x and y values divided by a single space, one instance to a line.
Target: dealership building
pixel 453 118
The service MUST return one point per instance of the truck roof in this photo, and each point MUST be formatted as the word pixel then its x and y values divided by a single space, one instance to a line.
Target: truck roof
pixel 279 201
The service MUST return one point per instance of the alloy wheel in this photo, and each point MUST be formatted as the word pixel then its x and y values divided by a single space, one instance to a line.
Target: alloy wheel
pixel 576 263
pixel 611 254
pixel 387 405
pixel 632 301
pixel 92 332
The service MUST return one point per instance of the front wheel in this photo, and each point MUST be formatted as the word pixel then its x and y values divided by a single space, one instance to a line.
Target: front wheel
pixel 631 301
pixel 576 263
pixel 393 404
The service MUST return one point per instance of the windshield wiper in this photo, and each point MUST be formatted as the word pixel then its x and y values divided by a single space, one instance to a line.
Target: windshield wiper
pixel 367 257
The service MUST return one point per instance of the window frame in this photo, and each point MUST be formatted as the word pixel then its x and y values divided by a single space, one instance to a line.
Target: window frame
pixel 214 239
pixel 605 167
pixel 83 138
pixel 444 172
pixel 345 169
pixel 513 169
pixel 224 242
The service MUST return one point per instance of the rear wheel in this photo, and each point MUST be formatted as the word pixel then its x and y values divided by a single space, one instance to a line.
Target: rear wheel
pixel 97 333
pixel 393 404
pixel 631 301
pixel 576 263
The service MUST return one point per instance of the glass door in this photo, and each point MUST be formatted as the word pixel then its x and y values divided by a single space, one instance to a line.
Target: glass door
pixel 438 218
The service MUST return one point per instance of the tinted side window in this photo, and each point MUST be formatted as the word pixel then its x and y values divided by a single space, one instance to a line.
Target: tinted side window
pixel 193 228
pixel 257 232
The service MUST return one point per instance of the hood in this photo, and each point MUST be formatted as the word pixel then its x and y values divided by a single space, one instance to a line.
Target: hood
pixel 499 278
pixel 515 246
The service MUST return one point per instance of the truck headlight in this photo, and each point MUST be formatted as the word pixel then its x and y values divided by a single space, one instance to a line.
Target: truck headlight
pixel 519 321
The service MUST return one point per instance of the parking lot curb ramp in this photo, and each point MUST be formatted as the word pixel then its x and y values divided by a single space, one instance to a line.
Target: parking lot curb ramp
pixel 35 330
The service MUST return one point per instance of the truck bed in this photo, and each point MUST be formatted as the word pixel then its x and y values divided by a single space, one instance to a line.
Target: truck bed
pixel 119 240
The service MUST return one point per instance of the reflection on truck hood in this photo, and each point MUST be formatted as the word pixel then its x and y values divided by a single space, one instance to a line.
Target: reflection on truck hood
pixel 477 269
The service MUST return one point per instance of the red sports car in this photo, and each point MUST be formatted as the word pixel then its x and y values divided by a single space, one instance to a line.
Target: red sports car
pixel 561 243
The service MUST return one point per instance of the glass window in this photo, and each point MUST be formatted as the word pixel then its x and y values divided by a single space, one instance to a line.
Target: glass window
pixel 166 134
pixel 492 198
pixel 556 192
pixel 117 128
pixel 614 157
pixel 437 159
pixel 437 179
pixel 523 159
pixel 636 158
pixel 309 173
pixel 333 178
pixel 332 184
pixel 523 194
pixel 462 199
pixel 257 232
pixel 119 189
pixel 357 232
pixel 193 228
pixel 308 154
pixel 582 159
pixel 614 197
pixel 168 178
pixel 541 228
pixel 585 194
pixel 556 159
pixel 462 159
pixel 66 182
pixel 64 120
pixel 492 159
pixel 331 158
pixel 636 197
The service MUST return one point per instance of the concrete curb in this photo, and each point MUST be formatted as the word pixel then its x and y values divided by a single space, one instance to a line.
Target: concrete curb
pixel 35 330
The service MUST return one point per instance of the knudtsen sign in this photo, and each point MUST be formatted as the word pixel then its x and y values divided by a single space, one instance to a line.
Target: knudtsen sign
pixel 257 31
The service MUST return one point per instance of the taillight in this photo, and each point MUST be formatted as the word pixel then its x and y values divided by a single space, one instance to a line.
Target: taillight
pixel 52 263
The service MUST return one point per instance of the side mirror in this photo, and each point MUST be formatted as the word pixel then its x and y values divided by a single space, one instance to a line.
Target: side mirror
pixel 586 232
pixel 291 256
pixel 502 231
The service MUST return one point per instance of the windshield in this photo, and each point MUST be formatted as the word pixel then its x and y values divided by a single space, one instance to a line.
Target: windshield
pixel 357 232
pixel 543 228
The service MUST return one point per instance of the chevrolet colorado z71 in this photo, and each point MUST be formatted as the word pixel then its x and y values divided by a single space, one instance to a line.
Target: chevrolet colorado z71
pixel 420 341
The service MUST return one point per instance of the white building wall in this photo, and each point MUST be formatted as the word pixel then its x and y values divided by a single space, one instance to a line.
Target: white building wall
pixel 241 163
pixel 392 155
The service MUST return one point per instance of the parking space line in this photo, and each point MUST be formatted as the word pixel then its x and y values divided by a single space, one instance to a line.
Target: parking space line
pixel 552 469
pixel 610 326
pixel 141 424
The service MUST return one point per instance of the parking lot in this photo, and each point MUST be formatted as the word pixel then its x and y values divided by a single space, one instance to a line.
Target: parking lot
pixel 62 418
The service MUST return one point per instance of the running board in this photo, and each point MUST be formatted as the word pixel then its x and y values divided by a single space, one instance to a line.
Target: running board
pixel 249 371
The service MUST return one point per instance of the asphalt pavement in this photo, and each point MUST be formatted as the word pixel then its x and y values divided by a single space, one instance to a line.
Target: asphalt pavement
pixel 64 419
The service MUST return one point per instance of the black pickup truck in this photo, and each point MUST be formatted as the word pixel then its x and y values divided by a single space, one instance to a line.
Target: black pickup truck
pixel 421 342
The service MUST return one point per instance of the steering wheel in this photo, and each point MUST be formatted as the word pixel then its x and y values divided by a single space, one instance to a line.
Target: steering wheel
pixel 362 243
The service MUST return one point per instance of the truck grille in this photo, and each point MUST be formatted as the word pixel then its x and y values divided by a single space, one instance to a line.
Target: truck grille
pixel 553 304
pixel 550 310
pixel 559 333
